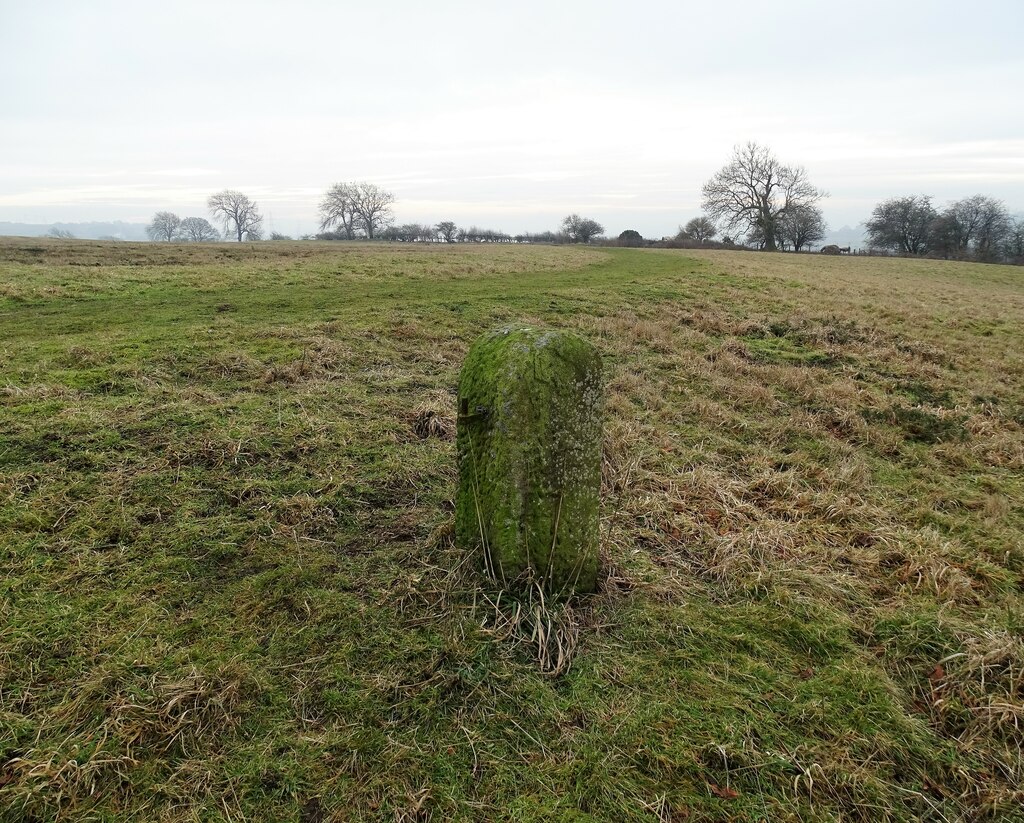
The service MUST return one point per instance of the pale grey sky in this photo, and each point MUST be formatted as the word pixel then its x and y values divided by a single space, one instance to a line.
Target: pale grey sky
pixel 506 115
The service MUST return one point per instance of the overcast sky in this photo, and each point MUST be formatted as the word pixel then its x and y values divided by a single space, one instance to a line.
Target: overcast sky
pixel 506 115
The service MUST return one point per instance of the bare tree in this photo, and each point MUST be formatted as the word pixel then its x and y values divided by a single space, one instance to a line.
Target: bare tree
pixel 581 229
pixel 964 218
pixel 60 234
pixel 994 228
pixel 338 208
pixel 902 224
pixel 802 226
pixel 979 223
pixel 447 231
pixel 1013 246
pixel 700 229
pixel 944 236
pixel 165 226
pixel 238 213
pixel 372 207
pixel 753 190
pixel 198 230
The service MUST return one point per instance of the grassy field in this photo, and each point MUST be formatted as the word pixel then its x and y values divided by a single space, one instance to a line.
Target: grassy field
pixel 228 589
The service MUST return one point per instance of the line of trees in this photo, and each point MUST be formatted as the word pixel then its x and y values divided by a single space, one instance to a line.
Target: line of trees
pixel 973 228
pixel 168 227
pixel 350 211
pixel 444 232
pixel 753 200
pixel 362 210
pixel 773 205
pixel 448 232
pixel 239 215
pixel 342 221
pixel 772 202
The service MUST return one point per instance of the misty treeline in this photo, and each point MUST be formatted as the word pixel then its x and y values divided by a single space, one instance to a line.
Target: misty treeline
pixel 574 229
pixel 447 232
pixel 350 211
pixel 167 226
pixel 362 211
pixel 754 201
pixel 235 211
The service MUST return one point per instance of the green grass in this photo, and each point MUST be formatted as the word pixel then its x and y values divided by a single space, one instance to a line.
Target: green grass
pixel 229 590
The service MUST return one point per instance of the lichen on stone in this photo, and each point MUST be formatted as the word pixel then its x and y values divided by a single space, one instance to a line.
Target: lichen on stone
pixel 529 446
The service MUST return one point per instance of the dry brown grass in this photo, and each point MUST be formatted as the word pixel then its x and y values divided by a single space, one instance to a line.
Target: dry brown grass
pixel 112 716
pixel 232 590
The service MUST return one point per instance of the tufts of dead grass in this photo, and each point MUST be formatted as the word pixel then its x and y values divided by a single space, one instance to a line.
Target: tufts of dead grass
pixel 549 629
pixel 786 563
pixel 434 417
pixel 111 718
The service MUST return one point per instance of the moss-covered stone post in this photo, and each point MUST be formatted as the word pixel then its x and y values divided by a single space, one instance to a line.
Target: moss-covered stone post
pixel 529 450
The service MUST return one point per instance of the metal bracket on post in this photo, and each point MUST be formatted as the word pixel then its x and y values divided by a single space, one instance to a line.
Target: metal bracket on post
pixel 480 412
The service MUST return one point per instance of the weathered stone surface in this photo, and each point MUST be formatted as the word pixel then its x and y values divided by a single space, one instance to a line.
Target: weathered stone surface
pixel 529 446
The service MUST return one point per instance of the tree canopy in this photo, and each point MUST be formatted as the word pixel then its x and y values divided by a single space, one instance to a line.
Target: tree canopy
pixel 700 229
pixel 165 226
pixel 802 226
pixel 198 230
pixel 581 229
pixel 447 231
pixel 902 224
